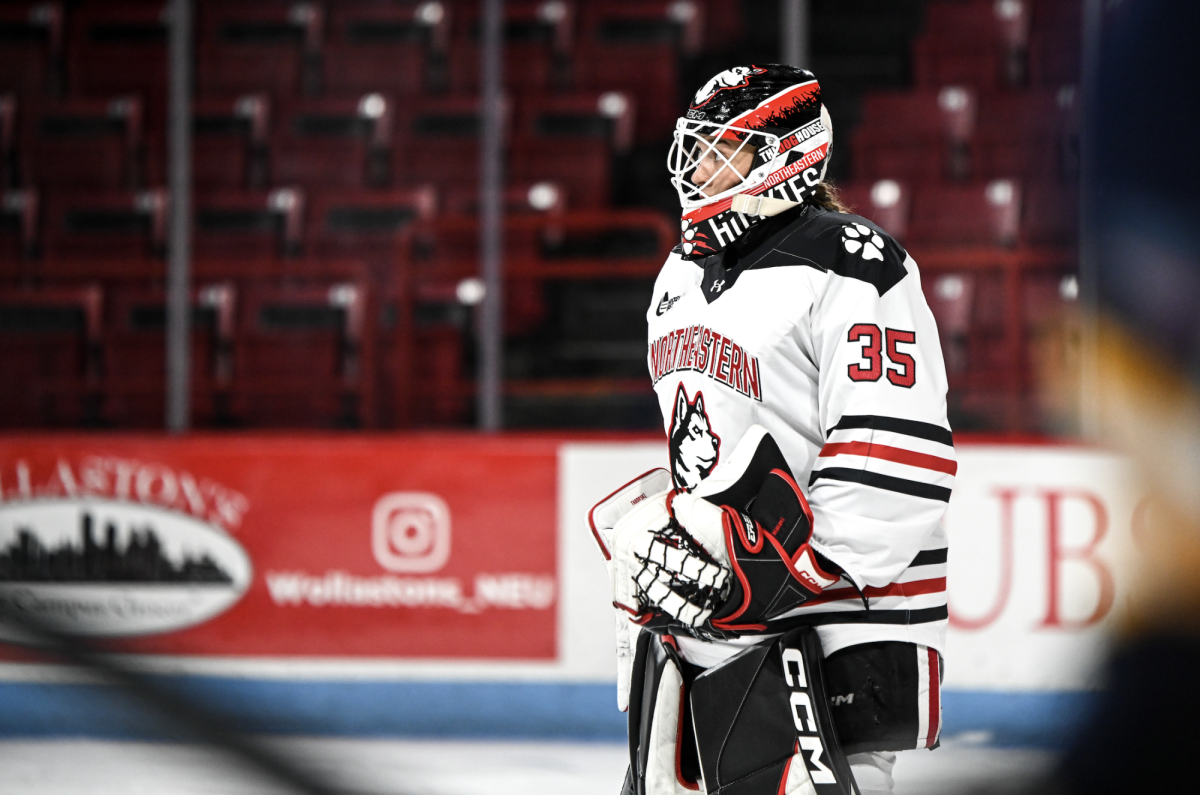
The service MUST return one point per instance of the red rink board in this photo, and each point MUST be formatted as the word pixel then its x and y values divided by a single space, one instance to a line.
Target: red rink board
pixel 305 512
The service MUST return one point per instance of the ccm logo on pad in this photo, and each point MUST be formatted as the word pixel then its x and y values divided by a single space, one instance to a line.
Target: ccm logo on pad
pixel 410 532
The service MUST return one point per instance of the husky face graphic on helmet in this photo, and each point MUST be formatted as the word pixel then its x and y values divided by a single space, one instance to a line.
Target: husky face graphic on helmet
pixel 774 111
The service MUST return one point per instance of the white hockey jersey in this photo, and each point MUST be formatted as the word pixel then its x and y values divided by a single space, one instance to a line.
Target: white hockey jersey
pixel 820 333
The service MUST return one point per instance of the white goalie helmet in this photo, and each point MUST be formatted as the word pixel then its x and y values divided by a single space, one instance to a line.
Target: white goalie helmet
pixel 773 110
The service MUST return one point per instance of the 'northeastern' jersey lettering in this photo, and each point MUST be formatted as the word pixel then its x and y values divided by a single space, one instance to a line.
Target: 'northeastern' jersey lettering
pixel 820 333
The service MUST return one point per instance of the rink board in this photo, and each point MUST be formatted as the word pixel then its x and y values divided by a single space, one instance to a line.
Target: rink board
pixel 447 586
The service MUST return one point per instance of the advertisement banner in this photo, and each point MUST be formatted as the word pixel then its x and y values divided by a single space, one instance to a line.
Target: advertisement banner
pixel 401 547
pixel 1042 556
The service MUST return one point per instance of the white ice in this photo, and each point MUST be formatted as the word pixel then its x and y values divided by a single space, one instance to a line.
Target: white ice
pixel 423 767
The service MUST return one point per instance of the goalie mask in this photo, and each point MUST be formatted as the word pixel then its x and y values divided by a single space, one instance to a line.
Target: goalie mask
pixel 763 125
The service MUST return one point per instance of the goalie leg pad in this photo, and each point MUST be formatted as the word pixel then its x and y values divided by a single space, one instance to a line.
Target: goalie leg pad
pixel 763 726
pixel 658 727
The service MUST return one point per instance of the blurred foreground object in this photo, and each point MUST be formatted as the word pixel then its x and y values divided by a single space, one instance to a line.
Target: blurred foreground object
pixel 1142 253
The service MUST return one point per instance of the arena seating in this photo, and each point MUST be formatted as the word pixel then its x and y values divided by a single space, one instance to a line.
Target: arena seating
pixel 336 151
pixel 31 60
pixel 919 135
pixel 230 142
pixel 385 47
pixel 334 142
pixel 367 225
pixel 120 47
pixel 1030 134
pixel 8 141
pixel 134 351
pixel 275 47
pixel 1056 43
pixel 542 197
pixel 264 224
pixel 538 35
pixel 20 224
pixel 437 141
pixel 304 357
pixel 571 139
pixel 83 143
pixel 975 172
pixel 635 47
pixel 50 346
pixel 82 226
pixel 973 214
pixel 981 43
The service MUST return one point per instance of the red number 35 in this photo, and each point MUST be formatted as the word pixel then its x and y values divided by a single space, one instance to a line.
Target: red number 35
pixel 904 374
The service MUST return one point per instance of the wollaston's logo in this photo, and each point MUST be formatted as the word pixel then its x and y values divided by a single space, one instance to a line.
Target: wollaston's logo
pixel 115 548
pixel 410 535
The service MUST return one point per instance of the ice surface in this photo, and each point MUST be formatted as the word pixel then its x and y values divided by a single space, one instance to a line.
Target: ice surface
pixel 421 767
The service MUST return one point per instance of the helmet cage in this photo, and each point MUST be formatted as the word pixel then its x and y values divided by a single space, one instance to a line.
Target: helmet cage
pixel 696 141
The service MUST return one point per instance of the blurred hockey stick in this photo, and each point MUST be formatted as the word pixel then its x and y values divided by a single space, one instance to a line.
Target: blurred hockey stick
pixel 190 719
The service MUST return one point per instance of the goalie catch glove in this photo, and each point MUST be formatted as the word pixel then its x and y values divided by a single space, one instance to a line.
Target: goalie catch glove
pixel 665 552
pixel 767 526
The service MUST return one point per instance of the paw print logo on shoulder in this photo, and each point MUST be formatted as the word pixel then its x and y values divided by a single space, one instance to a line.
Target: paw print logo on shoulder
pixel 858 238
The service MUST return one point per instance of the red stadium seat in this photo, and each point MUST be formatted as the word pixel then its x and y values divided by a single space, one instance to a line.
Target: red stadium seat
pixel 20 228
pixel 135 355
pixel 50 346
pixel 538 37
pixel 334 142
pixel 950 297
pixel 635 47
pixel 396 48
pixel 89 233
pixel 980 43
pixel 84 143
pixel 915 136
pixel 120 47
pixel 268 225
pixel 577 245
pixel 437 142
pixel 1030 134
pixel 1056 43
pixel 1051 214
pixel 261 46
pixel 31 58
pixel 571 140
pixel 884 201
pixel 537 198
pixel 230 144
pixel 976 214
pixel 368 225
pixel 304 356
pixel 9 173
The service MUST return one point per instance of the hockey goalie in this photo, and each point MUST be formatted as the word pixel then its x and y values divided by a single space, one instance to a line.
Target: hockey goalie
pixel 780 587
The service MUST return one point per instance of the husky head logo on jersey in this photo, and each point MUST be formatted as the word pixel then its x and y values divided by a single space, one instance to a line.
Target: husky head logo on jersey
pixel 753 130
pixel 694 447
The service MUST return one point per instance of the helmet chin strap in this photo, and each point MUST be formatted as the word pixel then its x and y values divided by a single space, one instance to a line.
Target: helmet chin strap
pixel 763 206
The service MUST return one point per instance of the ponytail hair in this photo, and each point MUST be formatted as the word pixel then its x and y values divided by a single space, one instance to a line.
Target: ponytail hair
pixel 828 197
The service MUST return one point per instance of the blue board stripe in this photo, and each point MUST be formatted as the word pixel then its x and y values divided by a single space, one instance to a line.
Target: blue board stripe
pixel 510 710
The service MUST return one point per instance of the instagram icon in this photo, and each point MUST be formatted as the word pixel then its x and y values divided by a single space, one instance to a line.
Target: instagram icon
pixel 410 532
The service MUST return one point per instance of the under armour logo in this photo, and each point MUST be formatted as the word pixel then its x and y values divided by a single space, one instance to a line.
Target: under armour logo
pixel 717 285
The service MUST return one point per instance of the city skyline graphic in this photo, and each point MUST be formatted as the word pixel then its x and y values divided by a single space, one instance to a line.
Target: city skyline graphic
pixel 140 560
